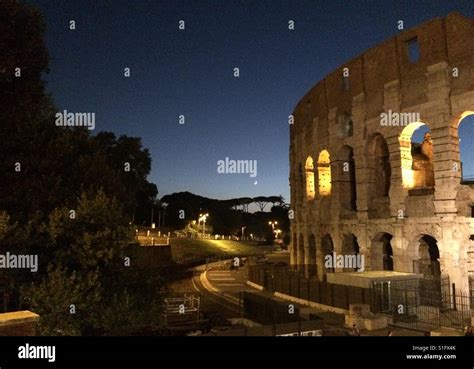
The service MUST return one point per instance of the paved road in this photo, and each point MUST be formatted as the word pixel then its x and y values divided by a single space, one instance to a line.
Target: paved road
pixel 224 279
pixel 228 281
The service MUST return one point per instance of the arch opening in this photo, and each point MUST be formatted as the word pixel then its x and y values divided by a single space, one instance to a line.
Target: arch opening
pixel 466 147
pixel 416 155
pixel 428 262
pixel 309 170
pixel 324 173
pixel 379 174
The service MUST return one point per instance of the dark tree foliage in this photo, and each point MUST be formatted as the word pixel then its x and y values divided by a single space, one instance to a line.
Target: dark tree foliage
pixel 47 171
pixel 223 214
pixel 133 164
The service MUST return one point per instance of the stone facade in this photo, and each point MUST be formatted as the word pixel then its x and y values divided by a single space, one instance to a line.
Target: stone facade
pixel 360 185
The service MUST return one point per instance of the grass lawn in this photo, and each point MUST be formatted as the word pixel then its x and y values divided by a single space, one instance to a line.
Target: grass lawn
pixel 187 249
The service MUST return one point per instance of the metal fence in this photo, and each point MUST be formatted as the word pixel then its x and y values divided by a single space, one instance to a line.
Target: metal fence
pixel 420 304
pixel 212 314
pixel 423 304
pixel 293 283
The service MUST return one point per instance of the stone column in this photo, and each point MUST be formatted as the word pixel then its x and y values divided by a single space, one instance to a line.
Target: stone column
pixel 402 259
pixel 376 255
pixel 358 113
pixel 449 256
pixel 445 144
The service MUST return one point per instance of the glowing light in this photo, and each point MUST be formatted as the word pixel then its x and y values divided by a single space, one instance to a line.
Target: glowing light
pixel 406 158
pixel 309 168
pixel 324 173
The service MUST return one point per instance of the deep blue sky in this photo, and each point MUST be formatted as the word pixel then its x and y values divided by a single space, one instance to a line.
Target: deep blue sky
pixel 191 73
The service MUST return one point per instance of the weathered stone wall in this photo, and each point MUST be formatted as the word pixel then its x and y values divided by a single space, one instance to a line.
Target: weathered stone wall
pixel 384 79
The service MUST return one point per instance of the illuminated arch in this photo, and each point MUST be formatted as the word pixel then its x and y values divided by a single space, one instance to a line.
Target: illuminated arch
pixel 309 170
pixel 324 173
pixel 409 177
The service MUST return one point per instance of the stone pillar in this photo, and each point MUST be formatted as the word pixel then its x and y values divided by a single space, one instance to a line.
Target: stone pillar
pixel 376 255
pixel 449 255
pixel 293 243
pixel 306 261
pixel 338 239
pixel 300 251
pixel 402 258
pixel 447 169
pixel 397 192
pixel 358 113
pixel 333 151
pixel 320 258
pixel 444 135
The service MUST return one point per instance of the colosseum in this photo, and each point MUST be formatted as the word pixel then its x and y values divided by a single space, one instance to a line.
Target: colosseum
pixel 361 184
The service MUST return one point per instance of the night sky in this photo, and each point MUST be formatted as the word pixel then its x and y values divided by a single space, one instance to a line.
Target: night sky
pixel 190 73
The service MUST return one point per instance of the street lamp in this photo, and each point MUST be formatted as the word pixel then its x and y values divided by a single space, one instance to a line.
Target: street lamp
pixel 273 224
pixel 277 232
pixel 203 217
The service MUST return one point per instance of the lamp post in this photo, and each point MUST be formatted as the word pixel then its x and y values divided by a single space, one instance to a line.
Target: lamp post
pixel 273 224
pixel 277 232
pixel 203 217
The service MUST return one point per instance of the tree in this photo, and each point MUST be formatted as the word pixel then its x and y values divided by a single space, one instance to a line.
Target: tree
pixel 279 200
pixel 245 202
pixel 133 164
pixel 261 202
pixel 64 200
pixel 88 273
